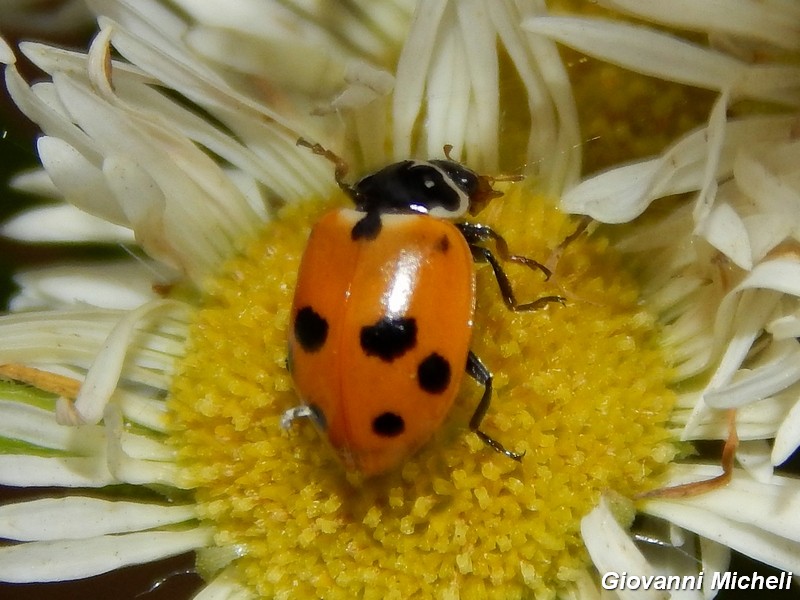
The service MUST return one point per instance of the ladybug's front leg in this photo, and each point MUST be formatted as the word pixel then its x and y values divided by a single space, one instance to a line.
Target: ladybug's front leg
pixel 474 234
pixel 478 371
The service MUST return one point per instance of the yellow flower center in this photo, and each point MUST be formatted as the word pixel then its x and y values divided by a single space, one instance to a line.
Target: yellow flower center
pixel 581 388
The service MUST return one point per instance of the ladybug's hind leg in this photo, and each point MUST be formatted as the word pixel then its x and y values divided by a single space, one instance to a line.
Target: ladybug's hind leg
pixel 478 371
pixel 475 234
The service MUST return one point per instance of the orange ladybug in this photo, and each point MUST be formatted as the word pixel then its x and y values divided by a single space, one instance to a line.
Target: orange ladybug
pixel 382 315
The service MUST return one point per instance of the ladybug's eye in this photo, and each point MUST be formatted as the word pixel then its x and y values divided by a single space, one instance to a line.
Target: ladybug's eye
pixel 460 176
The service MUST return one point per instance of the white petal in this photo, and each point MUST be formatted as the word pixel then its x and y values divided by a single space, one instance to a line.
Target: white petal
pixel 725 230
pixel 71 339
pixel 739 321
pixel 35 182
pixel 79 517
pixel 103 375
pixel 785 327
pixel 163 163
pixel 81 182
pixel 42 106
pixel 585 587
pixel 37 426
pixel 756 421
pixel 716 559
pixel 623 193
pixel 746 18
pixel 63 223
pixel 754 456
pixel 267 133
pixel 415 59
pixel 553 109
pixel 143 447
pixel 479 44
pixel 153 22
pixel 756 519
pixel 781 371
pixel 64 560
pixel 52 59
pixel 144 204
pixel 715 131
pixel 225 586
pixel 746 310
pixel 642 49
pixel 146 412
pixel 766 231
pixel 120 285
pixel 6 53
pixel 447 91
pixel 137 460
pixel 68 472
pixel 787 439
pixel 293 62
pixel 780 274
pixel 612 549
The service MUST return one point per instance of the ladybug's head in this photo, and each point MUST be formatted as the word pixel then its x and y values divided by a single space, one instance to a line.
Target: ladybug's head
pixel 441 188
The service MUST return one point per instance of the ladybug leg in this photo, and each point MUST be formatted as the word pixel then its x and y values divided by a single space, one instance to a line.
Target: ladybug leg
pixel 478 371
pixel 340 166
pixel 475 233
pixel 303 411
pixel 555 255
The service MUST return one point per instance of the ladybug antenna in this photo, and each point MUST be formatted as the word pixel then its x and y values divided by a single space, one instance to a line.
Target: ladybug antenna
pixel 505 177
pixel 448 148
pixel 340 166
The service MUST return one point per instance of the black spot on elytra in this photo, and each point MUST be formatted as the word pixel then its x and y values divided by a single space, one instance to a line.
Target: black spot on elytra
pixel 389 338
pixel 388 424
pixel 310 329
pixel 368 227
pixel 443 245
pixel 433 374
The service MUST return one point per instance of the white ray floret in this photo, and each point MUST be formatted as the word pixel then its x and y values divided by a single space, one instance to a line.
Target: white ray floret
pixel 225 586
pixel 746 515
pixel 623 193
pixel 667 57
pixel 63 560
pixel 613 550
pixel 767 21
pixel 103 376
pixel 81 517
pixel 120 284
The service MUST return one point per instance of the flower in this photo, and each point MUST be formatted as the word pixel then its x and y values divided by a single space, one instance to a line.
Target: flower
pixel 675 315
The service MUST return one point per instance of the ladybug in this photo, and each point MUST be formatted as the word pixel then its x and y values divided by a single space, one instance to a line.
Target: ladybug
pixel 381 321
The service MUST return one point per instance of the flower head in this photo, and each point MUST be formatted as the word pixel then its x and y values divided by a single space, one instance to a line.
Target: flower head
pixel 679 314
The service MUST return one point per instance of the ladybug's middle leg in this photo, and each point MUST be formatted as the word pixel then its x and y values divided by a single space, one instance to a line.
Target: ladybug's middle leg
pixel 478 371
pixel 474 234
